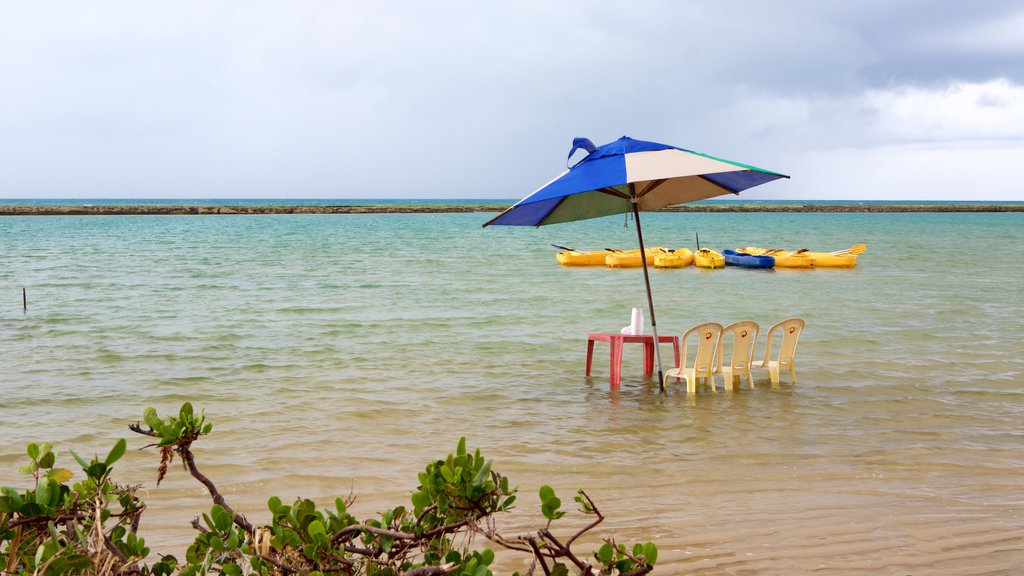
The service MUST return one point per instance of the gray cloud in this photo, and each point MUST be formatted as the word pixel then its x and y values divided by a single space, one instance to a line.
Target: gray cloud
pixel 463 99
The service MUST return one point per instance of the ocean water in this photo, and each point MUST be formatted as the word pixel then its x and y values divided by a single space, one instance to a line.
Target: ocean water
pixel 341 353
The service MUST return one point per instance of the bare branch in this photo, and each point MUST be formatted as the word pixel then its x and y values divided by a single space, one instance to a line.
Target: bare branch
pixel 539 556
pixel 138 429
pixel 190 463
pixel 432 570
pixel 592 525
pixel 45 519
pixel 563 550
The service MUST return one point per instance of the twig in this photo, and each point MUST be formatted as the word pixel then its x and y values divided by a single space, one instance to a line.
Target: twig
pixel 432 570
pixel 138 429
pixel 600 518
pixel 44 519
pixel 426 511
pixel 190 463
pixel 563 549
pixel 537 554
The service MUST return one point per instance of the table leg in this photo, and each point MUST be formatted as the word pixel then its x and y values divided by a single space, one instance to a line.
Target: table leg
pixel 675 349
pixel 590 354
pixel 616 361
pixel 648 357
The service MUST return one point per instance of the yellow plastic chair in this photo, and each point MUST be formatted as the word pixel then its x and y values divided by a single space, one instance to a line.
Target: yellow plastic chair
pixel 708 336
pixel 791 329
pixel 744 335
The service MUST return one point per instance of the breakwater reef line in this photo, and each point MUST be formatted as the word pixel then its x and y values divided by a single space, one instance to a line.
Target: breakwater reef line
pixel 175 210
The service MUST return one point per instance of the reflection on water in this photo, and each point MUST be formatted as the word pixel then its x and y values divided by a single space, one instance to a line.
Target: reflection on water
pixel 338 353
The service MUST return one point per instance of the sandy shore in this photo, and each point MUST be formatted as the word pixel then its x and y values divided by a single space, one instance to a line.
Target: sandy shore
pixel 142 210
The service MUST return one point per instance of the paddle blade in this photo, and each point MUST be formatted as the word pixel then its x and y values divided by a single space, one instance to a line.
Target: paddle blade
pixel 855 249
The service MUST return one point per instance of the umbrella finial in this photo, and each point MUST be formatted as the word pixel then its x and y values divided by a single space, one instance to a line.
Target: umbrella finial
pixel 578 144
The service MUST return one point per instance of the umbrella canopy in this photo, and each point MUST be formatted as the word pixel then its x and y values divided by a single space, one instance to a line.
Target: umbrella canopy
pixel 603 183
pixel 629 176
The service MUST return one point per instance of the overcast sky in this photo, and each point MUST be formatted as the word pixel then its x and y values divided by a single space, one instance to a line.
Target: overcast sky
pixel 883 99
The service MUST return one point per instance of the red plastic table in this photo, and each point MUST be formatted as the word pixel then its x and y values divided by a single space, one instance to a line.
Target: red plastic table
pixel 615 342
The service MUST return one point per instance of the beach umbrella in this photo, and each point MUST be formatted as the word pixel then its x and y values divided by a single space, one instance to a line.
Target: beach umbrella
pixel 630 176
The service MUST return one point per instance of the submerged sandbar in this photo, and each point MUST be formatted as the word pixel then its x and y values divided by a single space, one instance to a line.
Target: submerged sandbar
pixel 184 210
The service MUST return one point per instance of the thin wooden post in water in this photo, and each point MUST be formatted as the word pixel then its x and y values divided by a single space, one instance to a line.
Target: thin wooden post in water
pixel 24 301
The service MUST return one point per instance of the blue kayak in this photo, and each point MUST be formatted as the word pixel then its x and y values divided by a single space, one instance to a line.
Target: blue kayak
pixel 734 258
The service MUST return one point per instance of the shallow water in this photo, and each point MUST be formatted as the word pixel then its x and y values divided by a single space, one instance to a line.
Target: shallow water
pixel 342 352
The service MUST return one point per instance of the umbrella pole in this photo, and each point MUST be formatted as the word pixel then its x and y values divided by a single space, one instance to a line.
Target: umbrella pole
pixel 647 283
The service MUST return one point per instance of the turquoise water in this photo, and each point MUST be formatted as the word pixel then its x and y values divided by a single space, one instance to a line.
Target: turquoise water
pixel 338 352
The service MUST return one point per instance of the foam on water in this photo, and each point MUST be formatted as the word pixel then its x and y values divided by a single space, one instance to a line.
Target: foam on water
pixel 343 352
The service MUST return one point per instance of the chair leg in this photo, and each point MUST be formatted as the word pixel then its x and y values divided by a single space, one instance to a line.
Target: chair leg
pixel 691 384
pixel 773 373
pixel 727 379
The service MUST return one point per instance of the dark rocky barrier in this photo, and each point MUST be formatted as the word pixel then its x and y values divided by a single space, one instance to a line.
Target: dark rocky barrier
pixel 165 210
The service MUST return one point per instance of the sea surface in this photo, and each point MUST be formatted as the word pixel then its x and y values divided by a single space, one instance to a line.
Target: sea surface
pixel 338 354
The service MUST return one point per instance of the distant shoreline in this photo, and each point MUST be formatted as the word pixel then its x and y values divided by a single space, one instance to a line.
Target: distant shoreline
pixel 173 210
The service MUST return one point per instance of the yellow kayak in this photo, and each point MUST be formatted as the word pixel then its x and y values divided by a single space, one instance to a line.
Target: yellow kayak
pixel 783 258
pixel 705 258
pixel 829 260
pixel 808 259
pixel 679 258
pixel 592 258
pixel 631 259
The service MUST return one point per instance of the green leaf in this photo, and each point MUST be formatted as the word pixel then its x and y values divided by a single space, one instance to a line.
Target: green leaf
pixel 546 492
pixel 81 462
pixel 96 470
pixel 650 552
pixel 29 468
pixel 273 504
pixel 487 556
pixel 33 451
pixel 78 563
pixel 116 452
pixel 339 504
pixel 231 569
pixel 420 500
pixel 208 428
pixel 559 570
pixel 481 474
pixel 605 553
pixel 13 497
pixel 151 419
pixel 43 491
pixel 447 473
pixel 221 518
pixel 461 449
pixel 316 529
pixel 186 411
pixel 47 460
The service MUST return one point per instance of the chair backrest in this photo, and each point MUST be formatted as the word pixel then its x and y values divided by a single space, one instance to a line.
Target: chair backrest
pixel 709 335
pixel 744 335
pixel 791 329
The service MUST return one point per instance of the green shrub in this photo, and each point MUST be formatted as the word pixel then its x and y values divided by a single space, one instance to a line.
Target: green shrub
pixel 54 528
